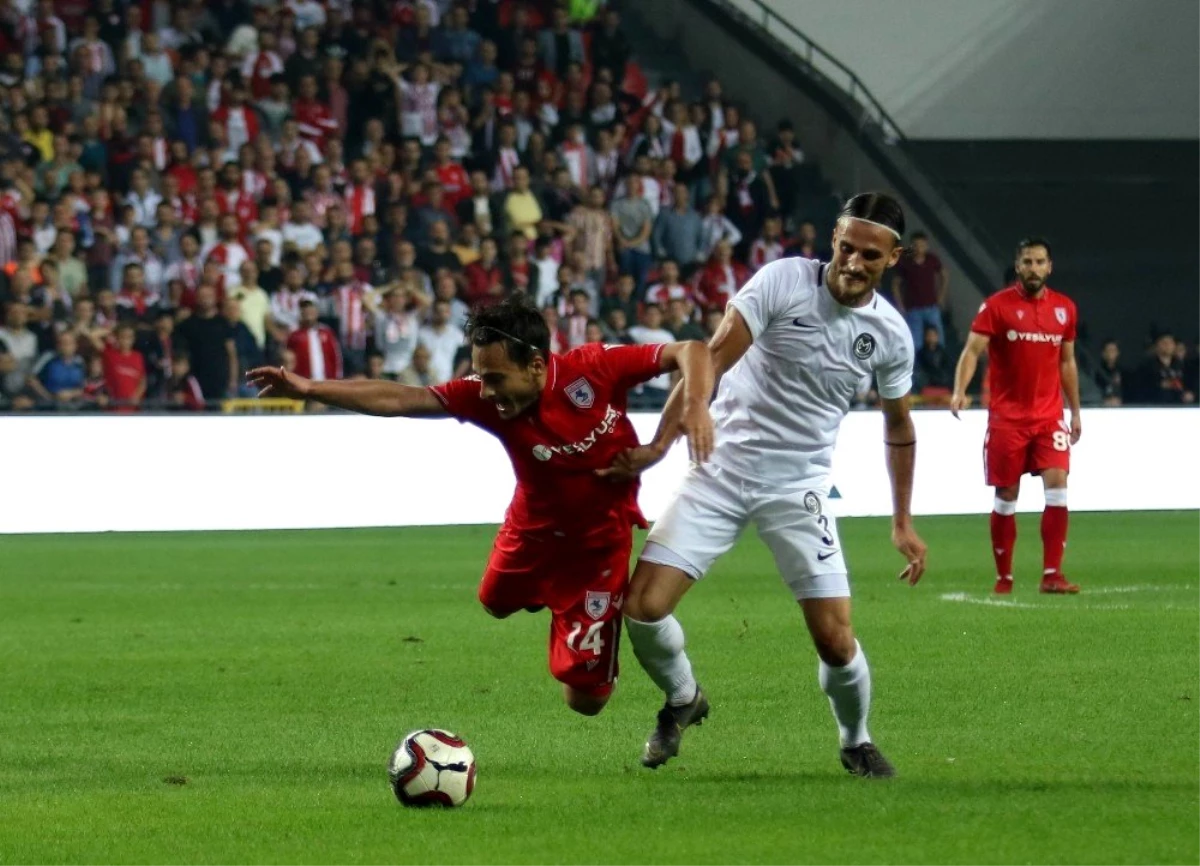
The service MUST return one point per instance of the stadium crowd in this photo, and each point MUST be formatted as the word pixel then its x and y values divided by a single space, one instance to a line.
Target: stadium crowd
pixel 190 189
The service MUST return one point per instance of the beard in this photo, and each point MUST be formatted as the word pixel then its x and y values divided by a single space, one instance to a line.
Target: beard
pixel 848 291
pixel 1032 284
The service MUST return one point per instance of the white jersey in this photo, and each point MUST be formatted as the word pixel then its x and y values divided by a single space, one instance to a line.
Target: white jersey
pixel 778 410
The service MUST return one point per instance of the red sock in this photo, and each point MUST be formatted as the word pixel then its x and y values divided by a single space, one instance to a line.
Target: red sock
pixel 1004 538
pixel 1054 538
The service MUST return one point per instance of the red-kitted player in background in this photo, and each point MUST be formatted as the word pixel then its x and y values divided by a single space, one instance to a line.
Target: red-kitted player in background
pixel 1028 331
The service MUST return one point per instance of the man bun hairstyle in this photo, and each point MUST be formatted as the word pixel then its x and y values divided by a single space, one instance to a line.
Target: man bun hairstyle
pixel 517 323
pixel 876 207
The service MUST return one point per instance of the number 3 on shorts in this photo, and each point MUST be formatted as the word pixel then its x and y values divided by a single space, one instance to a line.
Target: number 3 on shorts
pixel 1062 441
pixel 591 638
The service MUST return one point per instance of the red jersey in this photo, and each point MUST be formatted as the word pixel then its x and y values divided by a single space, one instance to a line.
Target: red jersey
pixel 1024 352
pixel 578 425
pixel 124 372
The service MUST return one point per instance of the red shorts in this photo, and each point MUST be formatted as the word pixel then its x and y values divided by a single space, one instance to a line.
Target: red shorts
pixel 584 590
pixel 1010 452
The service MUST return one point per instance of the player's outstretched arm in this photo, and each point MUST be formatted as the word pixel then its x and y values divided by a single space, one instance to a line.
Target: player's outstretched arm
pixel 900 438
pixel 366 396
pixel 968 361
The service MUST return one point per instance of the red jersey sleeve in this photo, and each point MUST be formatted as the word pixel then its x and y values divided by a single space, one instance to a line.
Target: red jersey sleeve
pixel 985 319
pixel 1072 321
pixel 461 399
pixel 624 366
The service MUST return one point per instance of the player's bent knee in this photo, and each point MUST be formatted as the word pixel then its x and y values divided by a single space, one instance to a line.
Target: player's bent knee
pixel 836 649
pixel 1008 494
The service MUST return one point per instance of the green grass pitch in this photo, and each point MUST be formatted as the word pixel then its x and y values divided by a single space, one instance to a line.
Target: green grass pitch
pixel 233 697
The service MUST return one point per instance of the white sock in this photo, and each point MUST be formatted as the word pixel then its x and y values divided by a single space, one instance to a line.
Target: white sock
pixel 849 691
pixel 659 649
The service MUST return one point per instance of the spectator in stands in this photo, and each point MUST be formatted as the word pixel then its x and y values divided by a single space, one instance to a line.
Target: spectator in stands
pixel 768 247
pixel 750 197
pixel 1160 378
pixel 633 222
pixel 560 45
pixel 158 348
pixel 207 338
pixel 934 366
pixel 786 158
pixel 679 231
pixel 521 207
pixel 616 327
pixel 485 277
pixel 443 340
pixel 721 278
pixel 610 47
pixel 1191 370
pixel 124 369
pixel 63 373
pixel 716 227
pixel 183 390
pixel 374 366
pixel 18 352
pixel 679 321
pixel 420 372
pixel 318 354
pixel 652 329
pixel 246 348
pixel 1108 375
pixel 593 236
pixel 919 286
pixel 398 327
pixel 669 288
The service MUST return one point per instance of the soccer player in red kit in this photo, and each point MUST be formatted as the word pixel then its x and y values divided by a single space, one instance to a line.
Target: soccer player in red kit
pixel 1028 331
pixel 568 532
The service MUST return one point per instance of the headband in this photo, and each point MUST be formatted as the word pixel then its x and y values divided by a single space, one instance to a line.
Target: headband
pixel 872 222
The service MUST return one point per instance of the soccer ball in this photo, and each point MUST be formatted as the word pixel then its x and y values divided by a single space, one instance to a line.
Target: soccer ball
pixel 432 768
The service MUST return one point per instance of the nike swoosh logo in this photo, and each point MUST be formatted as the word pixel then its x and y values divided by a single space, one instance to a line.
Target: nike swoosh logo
pixel 802 324
pixel 824 556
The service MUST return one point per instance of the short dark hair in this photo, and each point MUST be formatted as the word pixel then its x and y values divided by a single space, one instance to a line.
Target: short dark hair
pixel 517 323
pixel 1033 241
pixel 878 207
pixel 918 236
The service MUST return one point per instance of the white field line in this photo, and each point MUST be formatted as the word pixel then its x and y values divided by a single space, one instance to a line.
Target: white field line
pixel 966 598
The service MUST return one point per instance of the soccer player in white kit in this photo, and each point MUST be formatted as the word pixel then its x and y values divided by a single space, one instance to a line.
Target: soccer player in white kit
pixel 795 344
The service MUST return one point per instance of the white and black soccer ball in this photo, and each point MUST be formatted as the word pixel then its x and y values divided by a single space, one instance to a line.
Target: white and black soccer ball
pixel 432 768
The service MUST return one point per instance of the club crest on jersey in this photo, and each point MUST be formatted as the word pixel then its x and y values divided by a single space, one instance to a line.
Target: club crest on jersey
pixel 581 394
pixel 596 603
pixel 812 503
pixel 864 346
pixel 1060 313
pixel 541 452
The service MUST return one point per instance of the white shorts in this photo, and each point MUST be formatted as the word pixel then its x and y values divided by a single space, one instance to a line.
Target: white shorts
pixel 711 509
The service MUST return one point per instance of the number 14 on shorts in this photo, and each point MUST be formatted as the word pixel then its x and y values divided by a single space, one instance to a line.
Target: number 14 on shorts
pixel 590 640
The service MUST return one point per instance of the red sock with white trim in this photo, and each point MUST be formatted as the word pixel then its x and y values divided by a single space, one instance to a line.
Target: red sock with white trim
pixel 1054 531
pixel 1004 536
